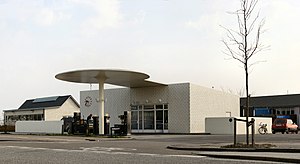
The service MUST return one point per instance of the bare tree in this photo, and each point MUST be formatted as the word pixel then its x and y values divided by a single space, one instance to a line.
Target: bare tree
pixel 242 44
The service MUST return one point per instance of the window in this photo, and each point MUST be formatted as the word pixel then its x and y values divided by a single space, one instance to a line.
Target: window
pixel 149 120
pixel 149 117
pixel 148 107
pixel 159 119
pixel 292 111
pixel 134 120
pixel 159 107
pixel 166 106
pixel 140 120
pixel 134 107
pixel 165 119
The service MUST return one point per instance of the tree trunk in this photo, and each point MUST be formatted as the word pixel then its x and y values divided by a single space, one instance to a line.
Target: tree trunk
pixel 246 69
pixel 247 108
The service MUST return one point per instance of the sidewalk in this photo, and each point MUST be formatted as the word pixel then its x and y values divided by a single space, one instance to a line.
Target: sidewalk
pixel 260 156
pixel 284 152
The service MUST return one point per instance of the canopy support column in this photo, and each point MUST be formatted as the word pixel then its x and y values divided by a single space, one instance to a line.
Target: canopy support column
pixel 101 106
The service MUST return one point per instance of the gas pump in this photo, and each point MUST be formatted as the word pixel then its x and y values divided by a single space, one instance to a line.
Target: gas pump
pixel 106 124
pixel 124 128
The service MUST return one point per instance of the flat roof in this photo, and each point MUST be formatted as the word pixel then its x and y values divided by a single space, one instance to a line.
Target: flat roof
pixel 291 100
pixel 124 78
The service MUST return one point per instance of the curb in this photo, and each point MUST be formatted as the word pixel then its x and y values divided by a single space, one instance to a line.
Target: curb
pixel 257 158
pixel 236 149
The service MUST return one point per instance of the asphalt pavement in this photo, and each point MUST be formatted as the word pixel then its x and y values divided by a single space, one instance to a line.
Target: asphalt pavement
pixel 284 152
pixel 287 148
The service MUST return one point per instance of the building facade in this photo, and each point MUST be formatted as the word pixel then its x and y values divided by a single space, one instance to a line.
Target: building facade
pixel 276 106
pixel 46 109
pixel 174 108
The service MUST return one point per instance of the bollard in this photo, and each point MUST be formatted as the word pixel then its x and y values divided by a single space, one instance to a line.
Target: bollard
pixel 234 130
pixel 253 131
pixel 234 127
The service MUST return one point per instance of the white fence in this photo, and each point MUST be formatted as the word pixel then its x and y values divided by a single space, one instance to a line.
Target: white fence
pixel 49 127
pixel 221 125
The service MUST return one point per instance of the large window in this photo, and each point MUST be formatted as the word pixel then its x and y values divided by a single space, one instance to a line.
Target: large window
pixel 149 117
pixel 134 119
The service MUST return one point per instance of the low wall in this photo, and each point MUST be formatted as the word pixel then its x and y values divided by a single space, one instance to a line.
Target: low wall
pixel 50 127
pixel 7 128
pixel 221 125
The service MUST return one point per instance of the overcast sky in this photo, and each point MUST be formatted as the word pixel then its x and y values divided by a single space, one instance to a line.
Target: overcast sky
pixel 173 41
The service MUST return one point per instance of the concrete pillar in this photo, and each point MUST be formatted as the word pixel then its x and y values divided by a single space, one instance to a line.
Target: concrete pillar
pixel 101 106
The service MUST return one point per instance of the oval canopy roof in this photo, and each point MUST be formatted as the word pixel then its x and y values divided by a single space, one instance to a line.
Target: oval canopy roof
pixel 115 77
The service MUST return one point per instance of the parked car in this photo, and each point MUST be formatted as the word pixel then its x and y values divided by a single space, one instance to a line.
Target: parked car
pixel 284 125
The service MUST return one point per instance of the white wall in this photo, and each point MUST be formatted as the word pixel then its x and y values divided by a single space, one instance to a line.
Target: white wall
pixel 93 108
pixel 218 125
pixel 207 102
pixel 116 102
pixel 221 125
pixel 67 109
pixel 50 127
pixel 179 108
pixel 149 95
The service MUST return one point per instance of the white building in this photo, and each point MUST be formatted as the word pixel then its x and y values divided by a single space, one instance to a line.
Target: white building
pixel 174 108
pixel 46 109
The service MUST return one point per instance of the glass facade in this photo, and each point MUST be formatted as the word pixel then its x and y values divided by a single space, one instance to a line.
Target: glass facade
pixel 149 118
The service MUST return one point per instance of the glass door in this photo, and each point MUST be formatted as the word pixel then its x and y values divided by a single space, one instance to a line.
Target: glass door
pixel 166 120
pixel 159 121
pixel 134 120
pixel 149 118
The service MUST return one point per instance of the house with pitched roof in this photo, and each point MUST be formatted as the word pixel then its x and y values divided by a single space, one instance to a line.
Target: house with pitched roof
pixel 46 109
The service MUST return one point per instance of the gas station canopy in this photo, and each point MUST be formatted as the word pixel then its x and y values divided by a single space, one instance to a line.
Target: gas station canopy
pixel 115 77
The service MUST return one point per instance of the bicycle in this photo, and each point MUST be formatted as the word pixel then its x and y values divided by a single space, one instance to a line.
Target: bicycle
pixel 263 128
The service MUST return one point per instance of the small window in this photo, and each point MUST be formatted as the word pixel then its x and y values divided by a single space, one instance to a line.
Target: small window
pixel 166 106
pixel 134 107
pixel 149 107
pixel 288 112
pixel 283 112
pixel 292 112
pixel 159 106
pixel 277 112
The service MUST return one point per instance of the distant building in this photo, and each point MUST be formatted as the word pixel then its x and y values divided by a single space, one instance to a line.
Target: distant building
pixel 47 109
pixel 276 106
pixel 173 108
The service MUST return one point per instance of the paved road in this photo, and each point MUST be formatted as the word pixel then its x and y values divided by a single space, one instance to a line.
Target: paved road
pixel 139 149
pixel 17 155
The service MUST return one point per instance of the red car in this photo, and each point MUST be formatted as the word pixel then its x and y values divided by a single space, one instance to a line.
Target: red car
pixel 284 125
